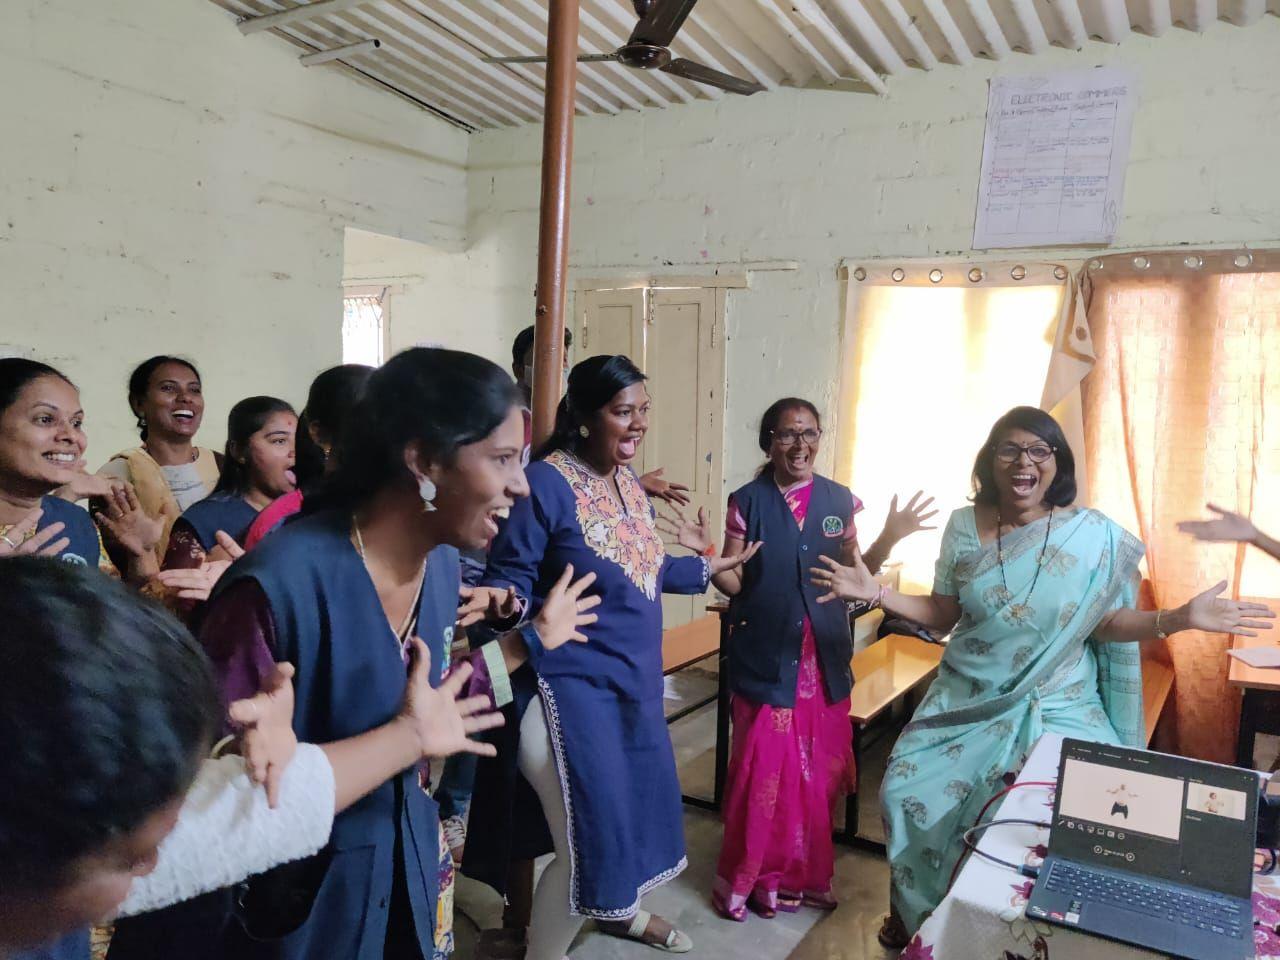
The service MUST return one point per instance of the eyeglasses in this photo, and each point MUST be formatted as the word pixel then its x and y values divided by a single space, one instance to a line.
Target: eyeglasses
pixel 1036 452
pixel 788 438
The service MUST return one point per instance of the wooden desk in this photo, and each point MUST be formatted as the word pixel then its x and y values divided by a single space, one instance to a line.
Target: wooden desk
pixel 889 668
pixel 1260 696
pixel 885 672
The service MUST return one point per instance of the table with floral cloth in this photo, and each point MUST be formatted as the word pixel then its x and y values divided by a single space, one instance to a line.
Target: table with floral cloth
pixel 983 917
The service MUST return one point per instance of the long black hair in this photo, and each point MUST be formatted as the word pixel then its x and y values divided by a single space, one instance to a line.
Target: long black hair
pixel 140 383
pixel 106 706
pixel 330 401
pixel 769 424
pixel 440 399
pixel 1062 492
pixel 592 384
pixel 17 372
pixel 246 418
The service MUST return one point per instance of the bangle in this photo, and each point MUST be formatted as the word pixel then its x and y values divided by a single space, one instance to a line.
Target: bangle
pixel 879 600
pixel 710 551
pixel 1160 634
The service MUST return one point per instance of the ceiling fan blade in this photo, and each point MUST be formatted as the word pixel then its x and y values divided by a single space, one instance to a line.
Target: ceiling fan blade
pixel 589 58
pixel 663 22
pixel 700 74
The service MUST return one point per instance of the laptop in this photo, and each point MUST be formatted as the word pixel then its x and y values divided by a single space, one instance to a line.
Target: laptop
pixel 1152 850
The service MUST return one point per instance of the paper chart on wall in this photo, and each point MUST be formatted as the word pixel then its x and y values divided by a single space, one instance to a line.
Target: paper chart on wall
pixel 1054 158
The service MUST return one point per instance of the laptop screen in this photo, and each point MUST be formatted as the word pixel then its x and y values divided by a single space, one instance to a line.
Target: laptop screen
pixel 1157 815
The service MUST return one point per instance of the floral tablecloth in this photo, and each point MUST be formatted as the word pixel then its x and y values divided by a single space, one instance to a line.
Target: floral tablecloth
pixel 982 918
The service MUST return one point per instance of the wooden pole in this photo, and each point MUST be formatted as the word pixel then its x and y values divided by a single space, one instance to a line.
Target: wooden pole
pixel 553 231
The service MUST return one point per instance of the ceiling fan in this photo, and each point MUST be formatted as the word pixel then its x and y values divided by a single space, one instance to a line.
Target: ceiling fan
pixel 646 49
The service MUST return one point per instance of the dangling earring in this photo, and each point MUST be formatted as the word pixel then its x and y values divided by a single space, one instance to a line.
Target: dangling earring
pixel 427 491
pixel 142 422
pixel 583 432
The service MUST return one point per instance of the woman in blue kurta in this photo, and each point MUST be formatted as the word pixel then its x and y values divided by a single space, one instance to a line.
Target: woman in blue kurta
pixel 339 593
pixel 593 743
pixel 42 445
pixel 256 469
pixel 1038 596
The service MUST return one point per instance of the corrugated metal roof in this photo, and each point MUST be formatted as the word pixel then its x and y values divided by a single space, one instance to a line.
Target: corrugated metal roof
pixel 431 50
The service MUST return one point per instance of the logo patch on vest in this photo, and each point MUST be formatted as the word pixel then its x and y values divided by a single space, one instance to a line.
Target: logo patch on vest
pixel 833 527
pixel 74 559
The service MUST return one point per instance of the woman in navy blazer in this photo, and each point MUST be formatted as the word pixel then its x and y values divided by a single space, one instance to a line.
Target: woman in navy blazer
pixel 789 671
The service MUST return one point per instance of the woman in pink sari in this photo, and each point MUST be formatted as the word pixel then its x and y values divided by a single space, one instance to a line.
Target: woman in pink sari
pixel 792 757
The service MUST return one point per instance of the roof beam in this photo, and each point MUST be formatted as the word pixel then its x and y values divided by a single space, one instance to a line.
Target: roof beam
pixel 1072 23
pixel 797 38
pixel 431 52
pixel 1152 17
pixel 867 29
pixel 997 45
pixel 1244 13
pixel 1110 19
pixel 920 51
pixel 1029 23
pixel 726 35
pixel 299 14
pixel 946 24
pixel 482 45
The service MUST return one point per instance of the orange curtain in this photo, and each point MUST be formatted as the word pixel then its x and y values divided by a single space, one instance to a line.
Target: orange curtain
pixel 1179 411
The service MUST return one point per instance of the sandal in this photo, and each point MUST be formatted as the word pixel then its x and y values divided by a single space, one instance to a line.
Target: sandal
pixel 789 902
pixel 736 914
pixel 638 928
pixel 820 901
pixel 893 934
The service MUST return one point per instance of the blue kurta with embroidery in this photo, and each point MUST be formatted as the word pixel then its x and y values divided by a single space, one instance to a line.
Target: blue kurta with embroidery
pixel 603 699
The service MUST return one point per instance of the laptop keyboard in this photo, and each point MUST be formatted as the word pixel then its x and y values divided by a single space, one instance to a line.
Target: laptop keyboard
pixel 1165 903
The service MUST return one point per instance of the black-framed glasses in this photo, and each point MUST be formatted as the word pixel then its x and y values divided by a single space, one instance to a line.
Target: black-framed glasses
pixel 788 438
pixel 1008 452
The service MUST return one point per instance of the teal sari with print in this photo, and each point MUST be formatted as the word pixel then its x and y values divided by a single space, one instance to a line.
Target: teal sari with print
pixel 1020 663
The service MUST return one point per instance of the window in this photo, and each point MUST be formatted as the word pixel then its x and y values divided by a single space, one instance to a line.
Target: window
pixel 933 355
pixel 363 327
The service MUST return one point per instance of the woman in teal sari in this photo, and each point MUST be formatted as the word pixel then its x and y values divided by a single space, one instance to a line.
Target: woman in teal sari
pixel 1038 596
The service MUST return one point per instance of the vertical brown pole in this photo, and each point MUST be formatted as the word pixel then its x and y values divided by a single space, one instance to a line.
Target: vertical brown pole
pixel 553 231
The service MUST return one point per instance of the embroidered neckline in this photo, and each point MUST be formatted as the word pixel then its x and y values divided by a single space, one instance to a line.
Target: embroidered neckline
pixel 621 532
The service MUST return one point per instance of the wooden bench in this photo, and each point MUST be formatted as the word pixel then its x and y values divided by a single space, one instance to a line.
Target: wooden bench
pixel 885 672
pixel 689 643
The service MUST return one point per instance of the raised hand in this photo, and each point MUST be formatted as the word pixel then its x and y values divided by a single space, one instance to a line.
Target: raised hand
pixel 912 518
pixel 124 522
pixel 441 720
pixel 267 740
pixel 659 489
pixel 193 583
pixel 486 603
pixel 854 582
pixel 1212 613
pixel 1228 527
pixel 23 539
pixel 86 485
pixel 565 611
pixel 734 560
pixel 226 548
pixel 693 534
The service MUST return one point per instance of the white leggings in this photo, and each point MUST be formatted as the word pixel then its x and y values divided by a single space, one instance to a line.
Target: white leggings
pixel 552 927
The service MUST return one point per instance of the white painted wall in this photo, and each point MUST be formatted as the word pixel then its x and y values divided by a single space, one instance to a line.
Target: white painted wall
pixel 434 295
pixel 169 185
pixel 817 176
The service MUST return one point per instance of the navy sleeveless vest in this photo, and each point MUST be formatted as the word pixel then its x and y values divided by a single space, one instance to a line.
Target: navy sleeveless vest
pixel 350 678
pixel 768 613
pixel 225 511
pixel 78 527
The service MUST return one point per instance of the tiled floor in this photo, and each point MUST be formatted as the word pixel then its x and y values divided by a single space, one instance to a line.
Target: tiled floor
pixel 847 934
